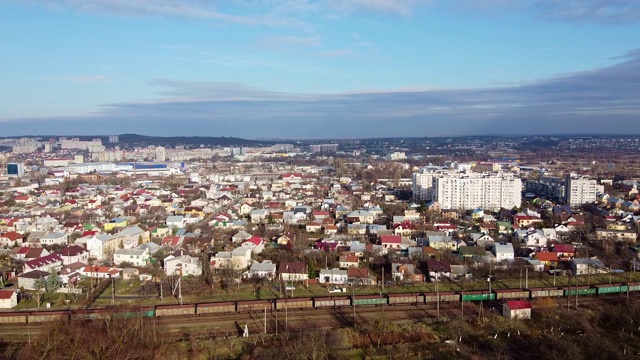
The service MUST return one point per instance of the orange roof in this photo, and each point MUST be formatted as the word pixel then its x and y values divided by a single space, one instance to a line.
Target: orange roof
pixel 547 256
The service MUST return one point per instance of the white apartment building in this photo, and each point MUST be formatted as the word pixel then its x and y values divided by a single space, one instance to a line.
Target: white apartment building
pixel 580 191
pixel 423 182
pixel 474 190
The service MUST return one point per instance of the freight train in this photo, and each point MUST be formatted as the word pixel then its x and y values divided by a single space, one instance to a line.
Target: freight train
pixel 317 303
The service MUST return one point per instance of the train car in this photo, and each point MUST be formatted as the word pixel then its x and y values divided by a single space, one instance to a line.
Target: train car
pixel 146 311
pixel 175 310
pixel 44 316
pixel 512 294
pixel 368 300
pixel 341 300
pixel 478 295
pixel 546 292
pixel 634 286
pixel 445 296
pixel 582 290
pixel 91 314
pixel 406 299
pixel 216 308
pixel 323 302
pixel 295 303
pixel 14 318
pixel 618 288
pixel 254 305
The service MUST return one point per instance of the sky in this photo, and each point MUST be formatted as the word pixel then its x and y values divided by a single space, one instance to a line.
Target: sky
pixel 268 69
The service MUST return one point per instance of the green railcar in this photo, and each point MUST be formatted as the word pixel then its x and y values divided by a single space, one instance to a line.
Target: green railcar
pixel 368 300
pixel 478 296
pixel 580 290
pixel 611 289
pixel 634 286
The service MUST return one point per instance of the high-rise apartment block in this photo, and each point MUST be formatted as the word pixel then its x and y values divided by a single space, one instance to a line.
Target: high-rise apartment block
pixel 580 191
pixel 467 190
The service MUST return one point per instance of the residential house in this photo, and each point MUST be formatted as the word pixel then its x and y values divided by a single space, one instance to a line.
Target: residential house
pixel 438 269
pixel 360 216
pixel 46 224
pixel 391 242
pixel 293 271
pixel 265 269
pixel 100 245
pixel 584 266
pixel 54 238
pixel 484 240
pixel 617 235
pixel 504 252
pixel 73 254
pixel 100 272
pixel 48 263
pixel 356 229
pixel 11 239
pixel 406 272
pixel 286 238
pixel 221 260
pixel 547 258
pixel 115 223
pixel 532 238
pixel 259 216
pixel 348 260
pixel 550 233
pixel 333 276
pixel 359 276
pixel 135 256
pixel 564 251
pixel 314 227
pixel 132 237
pixel 241 257
pixel 183 265
pixel 175 221
pixel 28 280
pixel 442 242
pixel 240 236
pixel 255 243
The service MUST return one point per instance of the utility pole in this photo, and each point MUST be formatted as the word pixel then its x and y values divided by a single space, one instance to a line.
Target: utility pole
pixel 180 286
pixel 526 280
pixel 113 289
pixel 555 267
pixel 265 319
pixel 383 277
pixel 569 292
pixel 438 295
pixel 520 278
pixel 462 297
pixel 353 300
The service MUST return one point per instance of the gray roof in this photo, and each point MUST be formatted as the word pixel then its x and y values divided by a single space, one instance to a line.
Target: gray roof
pixel 266 265
pixel 504 248
pixel 333 272
pixel 133 252
pixel 133 230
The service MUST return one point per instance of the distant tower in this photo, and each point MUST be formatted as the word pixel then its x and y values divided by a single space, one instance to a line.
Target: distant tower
pixel 114 139
pixel 161 154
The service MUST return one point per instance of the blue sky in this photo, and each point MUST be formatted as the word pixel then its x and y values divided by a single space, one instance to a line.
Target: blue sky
pixel 332 68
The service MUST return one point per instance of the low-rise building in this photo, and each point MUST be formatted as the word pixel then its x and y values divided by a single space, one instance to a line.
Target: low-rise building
pixel 8 299
pixel 135 257
pixel 333 276
pixel 265 269
pixel 517 309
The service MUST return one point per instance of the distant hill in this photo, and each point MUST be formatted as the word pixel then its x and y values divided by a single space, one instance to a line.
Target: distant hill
pixel 169 141
pixel 189 141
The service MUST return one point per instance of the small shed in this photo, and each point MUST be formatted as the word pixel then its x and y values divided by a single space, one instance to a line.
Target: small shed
pixel 8 299
pixel 517 309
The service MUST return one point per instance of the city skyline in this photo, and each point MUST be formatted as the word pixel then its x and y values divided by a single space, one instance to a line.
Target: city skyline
pixel 319 69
